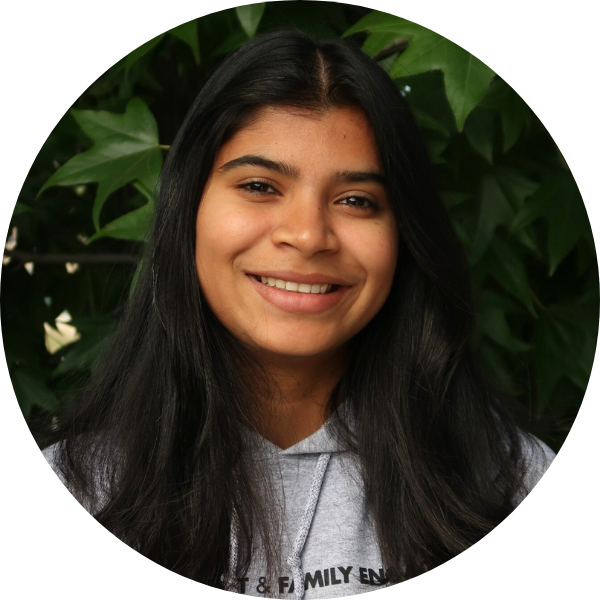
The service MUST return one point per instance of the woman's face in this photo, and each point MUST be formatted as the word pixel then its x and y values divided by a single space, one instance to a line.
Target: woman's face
pixel 296 242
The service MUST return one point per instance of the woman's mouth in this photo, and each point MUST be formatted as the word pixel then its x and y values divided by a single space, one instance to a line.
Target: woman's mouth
pixel 293 286
pixel 298 297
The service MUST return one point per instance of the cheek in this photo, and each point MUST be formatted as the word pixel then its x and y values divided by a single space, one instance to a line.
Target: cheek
pixel 221 236
pixel 377 250
pixel 388 251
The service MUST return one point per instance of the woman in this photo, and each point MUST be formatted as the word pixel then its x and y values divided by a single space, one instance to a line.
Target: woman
pixel 290 406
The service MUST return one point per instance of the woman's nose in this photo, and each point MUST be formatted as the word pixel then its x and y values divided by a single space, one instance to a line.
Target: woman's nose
pixel 304 224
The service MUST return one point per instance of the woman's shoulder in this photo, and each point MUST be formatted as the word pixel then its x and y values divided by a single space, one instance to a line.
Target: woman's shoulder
pixel 536 459
pixel 51 454
pixel 96 484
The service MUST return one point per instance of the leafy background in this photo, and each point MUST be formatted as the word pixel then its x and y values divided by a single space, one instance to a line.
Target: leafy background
pixel 79 224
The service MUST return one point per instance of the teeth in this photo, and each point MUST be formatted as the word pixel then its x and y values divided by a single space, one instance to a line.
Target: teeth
pixel 292 286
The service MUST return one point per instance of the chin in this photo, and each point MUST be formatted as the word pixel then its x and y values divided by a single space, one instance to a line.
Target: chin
pixel 297 350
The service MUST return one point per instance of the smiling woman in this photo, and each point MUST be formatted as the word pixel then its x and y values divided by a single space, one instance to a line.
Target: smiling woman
pixel 296 245
pixel 290 405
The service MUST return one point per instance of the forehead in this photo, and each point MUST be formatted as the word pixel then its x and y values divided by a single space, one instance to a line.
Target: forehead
pixel 299 135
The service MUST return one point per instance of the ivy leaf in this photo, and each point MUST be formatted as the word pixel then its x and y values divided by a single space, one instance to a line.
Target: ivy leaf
pixel 31 390
pixel 232 42
pixel 516 186
pixel 502 193
pixel 140 51
pixel 495 210
pixel 249 17
pixel 514 112
pixel 426 121
pixel 479 130
pixel 426 96
pixel 188 33
pixel 21 209
pixel 565 342
pixel 559 202
pixel 132 225
pixel 452 199
pixel 125 149
pixel 491 322
pixel 495 365
pixel 466 78
pixel 504 263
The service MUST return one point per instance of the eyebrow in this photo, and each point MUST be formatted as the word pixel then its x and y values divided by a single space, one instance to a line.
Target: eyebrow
pixel 254 160
pixel 359 177
pixel 288 170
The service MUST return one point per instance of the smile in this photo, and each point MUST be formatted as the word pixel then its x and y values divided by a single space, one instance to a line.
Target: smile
pixel 293 286
pixel 298 297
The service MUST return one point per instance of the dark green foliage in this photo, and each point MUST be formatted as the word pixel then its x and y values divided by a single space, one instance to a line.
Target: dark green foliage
pixel 512 199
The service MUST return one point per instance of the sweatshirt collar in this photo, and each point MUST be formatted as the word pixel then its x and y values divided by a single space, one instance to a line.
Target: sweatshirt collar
pixel 319 442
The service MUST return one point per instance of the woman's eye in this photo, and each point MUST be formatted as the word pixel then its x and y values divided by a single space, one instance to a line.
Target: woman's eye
pixel 358 202
pixel 258 187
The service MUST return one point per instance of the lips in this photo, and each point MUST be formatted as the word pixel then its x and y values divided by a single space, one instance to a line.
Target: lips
pixel 295 286
pixel 297 277
pixel 299 293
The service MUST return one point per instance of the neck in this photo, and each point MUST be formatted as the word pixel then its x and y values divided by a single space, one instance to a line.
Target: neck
pixel 298 403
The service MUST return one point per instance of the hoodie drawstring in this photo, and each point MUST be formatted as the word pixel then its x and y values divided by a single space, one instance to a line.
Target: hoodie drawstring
pixel 230 585
pixel 294 560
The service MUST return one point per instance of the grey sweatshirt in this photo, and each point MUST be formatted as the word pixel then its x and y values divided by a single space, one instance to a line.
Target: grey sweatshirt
pixel 328 542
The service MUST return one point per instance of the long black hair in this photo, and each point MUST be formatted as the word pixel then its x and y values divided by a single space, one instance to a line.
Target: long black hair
pixel 153 446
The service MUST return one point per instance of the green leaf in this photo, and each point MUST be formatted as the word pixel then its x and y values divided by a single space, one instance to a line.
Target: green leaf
pixel 565 342
pixel 491 321
pixel 515 185
pixel 452 199
pixel 503 192
pixel 426 121
pixel 376 21
pixel 495 365
pixel 466 78
pixel 141 51
pixel 232 42
pixel 21 208
pixel 131 226
pixel 461 232
pixel 31 390
pixel 249 17
pixel 479 130
pixel 145 190
pixel 506 266
pixel 188 33
pixel 514 112
pixel 426 95
pixel 134 224
pixel 586 259
pixel 494 210
pixel 559 202
pixel 125 149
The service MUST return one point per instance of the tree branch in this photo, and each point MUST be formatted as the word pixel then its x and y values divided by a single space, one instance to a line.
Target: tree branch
pixel 82 259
